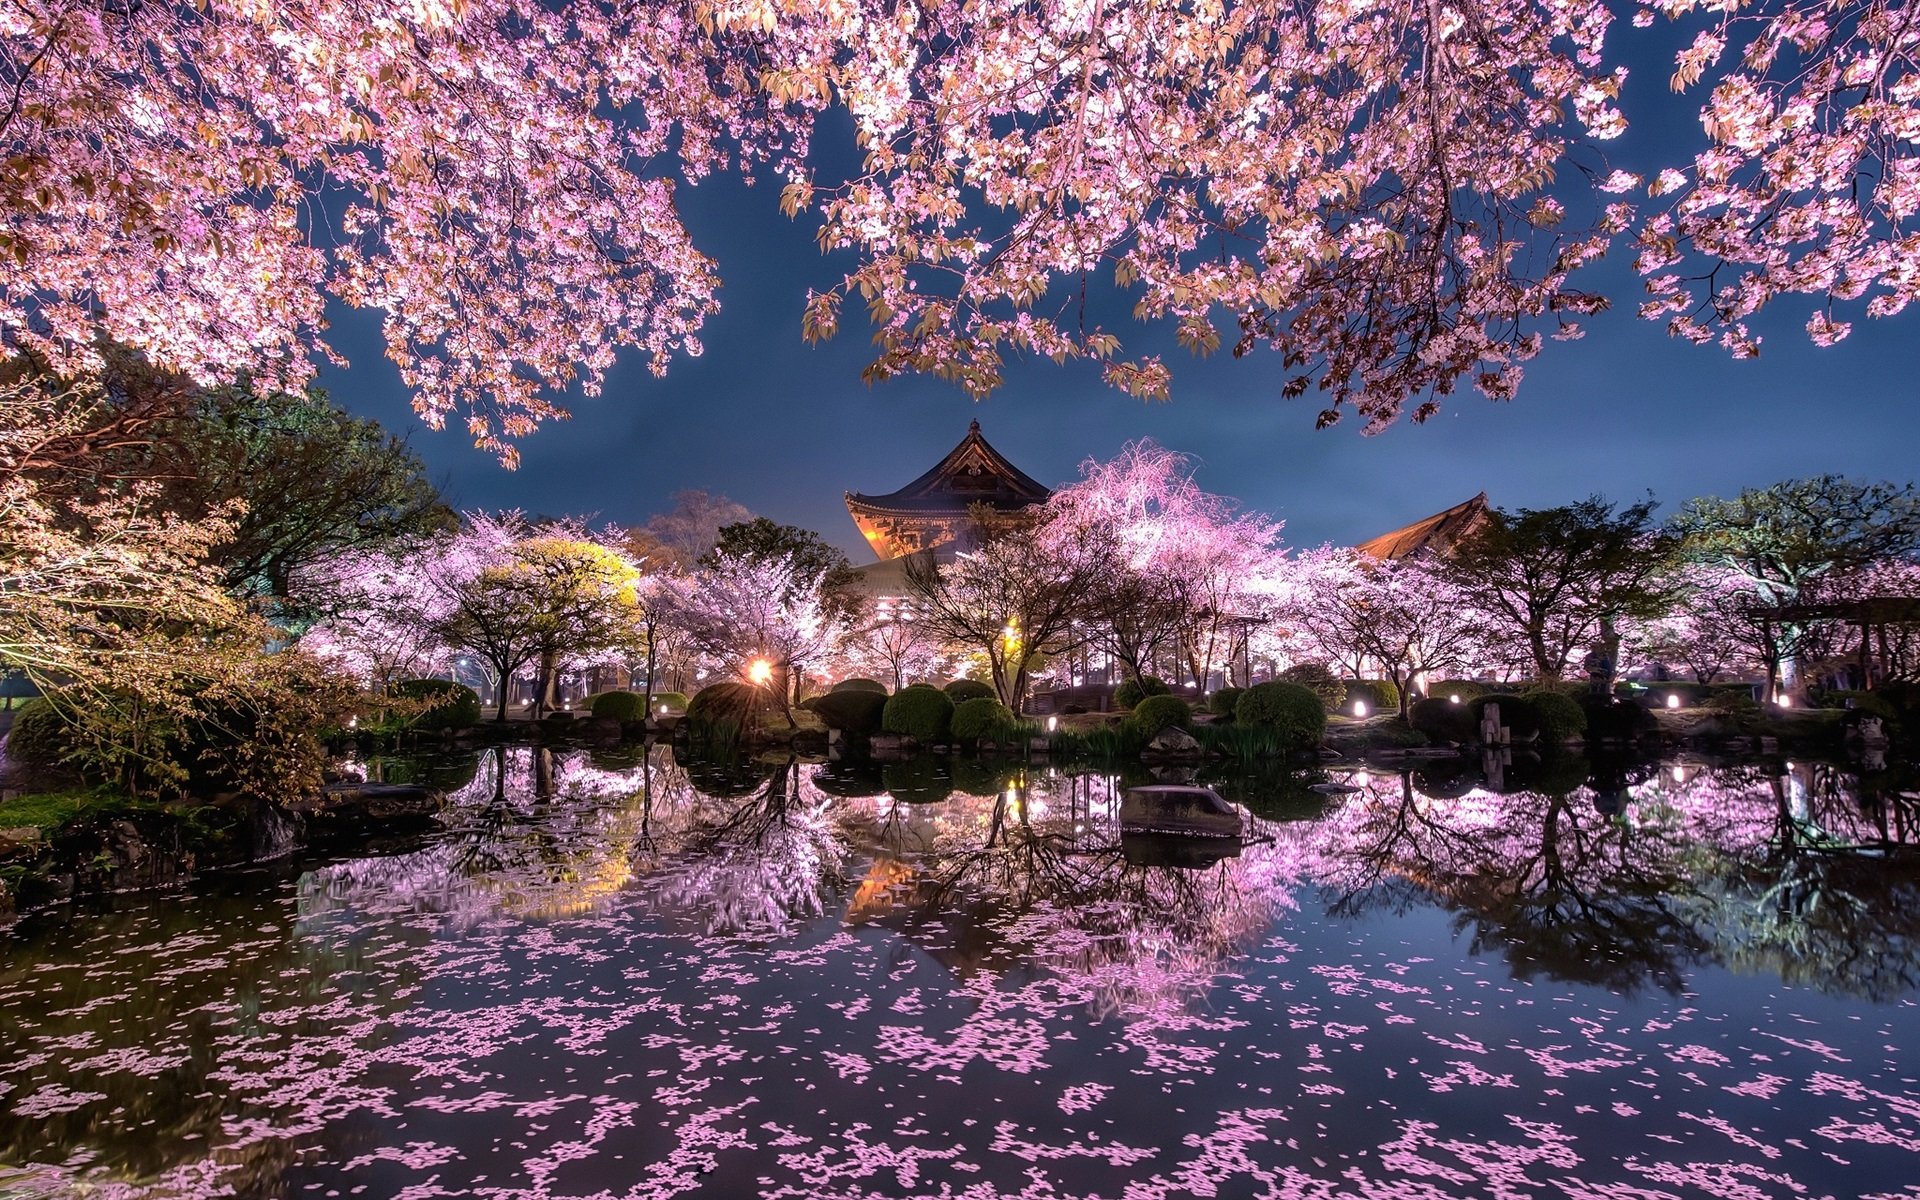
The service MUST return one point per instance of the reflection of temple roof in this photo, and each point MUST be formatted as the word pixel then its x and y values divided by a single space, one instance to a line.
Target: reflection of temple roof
pixel 1437 533
pixel 972 473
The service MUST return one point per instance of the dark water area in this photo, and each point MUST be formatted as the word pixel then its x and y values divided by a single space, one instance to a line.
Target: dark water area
pixel 629 977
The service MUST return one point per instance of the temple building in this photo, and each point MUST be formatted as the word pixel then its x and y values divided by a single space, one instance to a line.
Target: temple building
pixel 1436 534
pixel 935 509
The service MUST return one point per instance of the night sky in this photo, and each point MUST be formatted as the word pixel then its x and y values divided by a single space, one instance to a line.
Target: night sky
pixel 786 428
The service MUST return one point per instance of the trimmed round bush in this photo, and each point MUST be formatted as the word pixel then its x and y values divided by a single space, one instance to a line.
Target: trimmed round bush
pixel 921 712
pixel 1446 689
pixel 858 684
pixel 1609 718
pixel 675 701
pixel 962 690
pixel 39 735
pixel 1288 709
pixel 1516 713
pixel 1732 699
pixel 1380 695
pixel 724 709
pixel 1222 702
pixel 1133 691
pixel 1155 713
pixel 619 706
pixel 1319 679
pixel 981 717
pixel 1443 720
pixel 856 711
pixel 1561 719
pixel 453 705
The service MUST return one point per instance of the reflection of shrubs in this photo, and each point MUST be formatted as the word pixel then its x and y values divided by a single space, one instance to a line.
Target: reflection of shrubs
pixel 858 684
pixel 1133 691
pixel 1558 716
pixel 1319 679
pixel 918 780
pixel 1381 695
pixel 619 706
pixel 1222 702
pixel 1443 720
pixel 1155 713
pixel 1289 710
pixel 962 690
pixel 981 717
pixel 1552 774
pixel 856 711
pixel 921 712
pixel 450 705
pixel 40 735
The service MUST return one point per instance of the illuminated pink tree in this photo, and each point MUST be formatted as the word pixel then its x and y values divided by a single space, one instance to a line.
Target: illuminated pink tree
pixel 1403 617
pixel 738 609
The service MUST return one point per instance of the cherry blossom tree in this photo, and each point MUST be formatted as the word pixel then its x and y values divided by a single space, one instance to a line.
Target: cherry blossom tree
pixel 738 609
pixel 1404 617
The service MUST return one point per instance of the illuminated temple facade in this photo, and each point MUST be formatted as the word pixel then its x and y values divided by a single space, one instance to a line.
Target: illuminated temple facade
pixel 974 480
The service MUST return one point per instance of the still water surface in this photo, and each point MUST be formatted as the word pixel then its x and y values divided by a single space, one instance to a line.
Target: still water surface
pixel 630 978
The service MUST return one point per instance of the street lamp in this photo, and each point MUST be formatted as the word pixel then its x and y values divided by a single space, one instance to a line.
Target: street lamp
pixel 760 671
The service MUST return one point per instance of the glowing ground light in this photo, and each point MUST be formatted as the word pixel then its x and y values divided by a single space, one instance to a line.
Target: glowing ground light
pixel 1053 724
pixel 760 671
pixel 1785 701
pixel 1673 700
pixel 1359 708
pixel 1455 697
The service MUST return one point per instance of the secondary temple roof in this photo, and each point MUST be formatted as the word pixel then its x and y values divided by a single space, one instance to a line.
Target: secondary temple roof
pixel 1437 533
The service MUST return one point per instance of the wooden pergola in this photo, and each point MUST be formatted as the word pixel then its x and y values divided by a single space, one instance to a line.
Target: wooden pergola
pixel 1871 615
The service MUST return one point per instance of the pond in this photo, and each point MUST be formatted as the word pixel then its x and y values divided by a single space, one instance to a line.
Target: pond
pixel 626 977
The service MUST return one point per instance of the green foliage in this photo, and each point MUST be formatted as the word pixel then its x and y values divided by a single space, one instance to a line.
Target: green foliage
pixel 1319 679
pixel 1443 720
pixel 1517 713
pixel 675 701
pixel 1445 689
pixel 1733 700
pixel 1291 711
pixel 720 711
pixel 1155 713
pixel 1240 742
pixel 450 705
pixel 49 810
pixel 1222 702
pixel 619 706
pixel 923 713
pixel 1133 691
pixel 982 717
pixel 1381 695
pixel 856 711
pixel 961 690
pixel 1559 717
pixel 858 684
pixel 41 735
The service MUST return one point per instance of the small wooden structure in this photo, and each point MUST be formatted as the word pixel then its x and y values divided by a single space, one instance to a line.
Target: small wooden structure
pixel 1870 615
pixel 1180 808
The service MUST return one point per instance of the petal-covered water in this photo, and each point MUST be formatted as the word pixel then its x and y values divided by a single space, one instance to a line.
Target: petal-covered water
pixel 635 979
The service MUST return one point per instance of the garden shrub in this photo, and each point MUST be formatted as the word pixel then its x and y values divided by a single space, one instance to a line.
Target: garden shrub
pixel 1446 689
pixel 1290 710
pixel 1443 720
pixel 1319 679
pixel 675 701
pixel 856 711
pixel 981 717
pixel 1133 691
pixel 1155 713
pixel 40 735
pixel 721 710
pixel 922 712
pixel 619 706
pixel 962 690
pixel 451 705
pixel 1732 699
pixel 1222 702
pixel 1381 695
pixel 858 684
pixel 1610 717
pixel 1516 713
pixel 1560 717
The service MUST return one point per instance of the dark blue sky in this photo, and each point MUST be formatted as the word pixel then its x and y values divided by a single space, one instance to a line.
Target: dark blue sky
pixel 785 428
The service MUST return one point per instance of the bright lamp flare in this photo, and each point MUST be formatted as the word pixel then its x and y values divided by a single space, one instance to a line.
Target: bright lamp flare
pixel 760 671
pixel 1673 699
pixel 1359 708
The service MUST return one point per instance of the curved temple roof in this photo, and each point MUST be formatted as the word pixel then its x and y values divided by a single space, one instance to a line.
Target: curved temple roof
pixel 972 473
pixel 1437 533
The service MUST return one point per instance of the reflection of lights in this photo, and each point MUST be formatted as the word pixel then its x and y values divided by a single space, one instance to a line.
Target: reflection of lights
pixel 1673 699
pixel 1363 779
pixel 1359 708
pixel 1053 724
pixel 760 671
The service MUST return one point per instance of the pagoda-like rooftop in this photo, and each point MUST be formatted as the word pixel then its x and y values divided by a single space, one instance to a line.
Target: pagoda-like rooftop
pixel 1437 533
pixel 933 507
